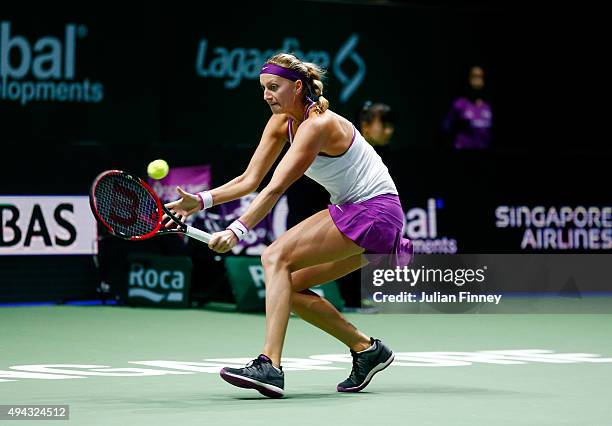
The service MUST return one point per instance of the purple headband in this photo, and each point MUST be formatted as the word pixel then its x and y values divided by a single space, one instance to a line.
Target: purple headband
pixel 287 73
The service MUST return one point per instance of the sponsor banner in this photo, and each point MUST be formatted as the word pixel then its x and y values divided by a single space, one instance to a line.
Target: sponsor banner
pixel 487 283
pixel 41 225
pixel 422 228
pixel 234 64
pixel 159 280
pixel 557 228
pixel 43 68
pixel 224 65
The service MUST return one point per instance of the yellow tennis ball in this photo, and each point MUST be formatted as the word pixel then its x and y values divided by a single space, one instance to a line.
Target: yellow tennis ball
pixel 158 169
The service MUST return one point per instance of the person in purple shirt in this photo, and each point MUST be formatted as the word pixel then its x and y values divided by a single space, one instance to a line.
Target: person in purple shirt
pixel 468 122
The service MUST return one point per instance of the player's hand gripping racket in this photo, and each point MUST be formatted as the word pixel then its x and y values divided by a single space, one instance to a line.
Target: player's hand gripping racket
pixel 129 209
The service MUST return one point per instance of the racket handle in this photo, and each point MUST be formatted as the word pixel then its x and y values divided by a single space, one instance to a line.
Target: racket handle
pixel 197 234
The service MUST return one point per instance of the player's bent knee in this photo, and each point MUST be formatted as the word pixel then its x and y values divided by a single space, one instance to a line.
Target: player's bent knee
pixel 274 256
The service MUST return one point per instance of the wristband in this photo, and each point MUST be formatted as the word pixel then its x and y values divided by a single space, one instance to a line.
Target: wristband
pixel 206 200
pixel 238 229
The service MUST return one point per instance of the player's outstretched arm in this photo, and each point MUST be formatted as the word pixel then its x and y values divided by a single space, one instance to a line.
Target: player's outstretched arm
pixel 309 139
pixel 268 150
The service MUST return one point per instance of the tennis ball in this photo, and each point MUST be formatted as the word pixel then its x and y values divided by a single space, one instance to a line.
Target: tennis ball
pixel 158 169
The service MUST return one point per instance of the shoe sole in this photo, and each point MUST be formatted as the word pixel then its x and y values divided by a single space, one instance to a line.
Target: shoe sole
pixel 244 382
pixel 380 367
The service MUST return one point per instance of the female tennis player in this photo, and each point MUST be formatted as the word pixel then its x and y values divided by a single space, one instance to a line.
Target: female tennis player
pixel 365 217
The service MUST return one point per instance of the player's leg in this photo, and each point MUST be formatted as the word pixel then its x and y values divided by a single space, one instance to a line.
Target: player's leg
pixel 370 355
pixel 314 241
pixel 320 312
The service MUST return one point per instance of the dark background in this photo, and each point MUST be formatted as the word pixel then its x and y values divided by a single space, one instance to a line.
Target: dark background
pixel 546 79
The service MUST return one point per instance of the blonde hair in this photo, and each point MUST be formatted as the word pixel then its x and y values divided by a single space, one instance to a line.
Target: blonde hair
pixel 313 73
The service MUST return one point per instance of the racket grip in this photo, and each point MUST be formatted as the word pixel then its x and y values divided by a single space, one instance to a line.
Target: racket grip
pixel 197 234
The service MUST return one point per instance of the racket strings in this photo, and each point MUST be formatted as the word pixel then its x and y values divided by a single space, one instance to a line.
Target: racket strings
pixel 126 206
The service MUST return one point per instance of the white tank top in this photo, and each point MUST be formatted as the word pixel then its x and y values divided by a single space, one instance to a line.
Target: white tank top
pixel 357 175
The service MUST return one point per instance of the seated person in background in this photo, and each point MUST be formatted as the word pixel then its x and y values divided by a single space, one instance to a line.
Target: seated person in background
pixel 376 124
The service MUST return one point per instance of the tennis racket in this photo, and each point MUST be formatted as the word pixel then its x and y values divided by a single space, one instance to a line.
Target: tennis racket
pixel 128 208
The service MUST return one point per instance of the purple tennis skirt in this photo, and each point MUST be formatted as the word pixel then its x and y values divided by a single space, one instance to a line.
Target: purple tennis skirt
pixel 376 225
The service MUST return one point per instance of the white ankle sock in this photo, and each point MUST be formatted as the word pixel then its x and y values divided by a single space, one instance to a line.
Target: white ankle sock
pixel 371 348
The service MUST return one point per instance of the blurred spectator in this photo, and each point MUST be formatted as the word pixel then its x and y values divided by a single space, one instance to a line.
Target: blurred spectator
pixel 469 120
pixel 376 124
